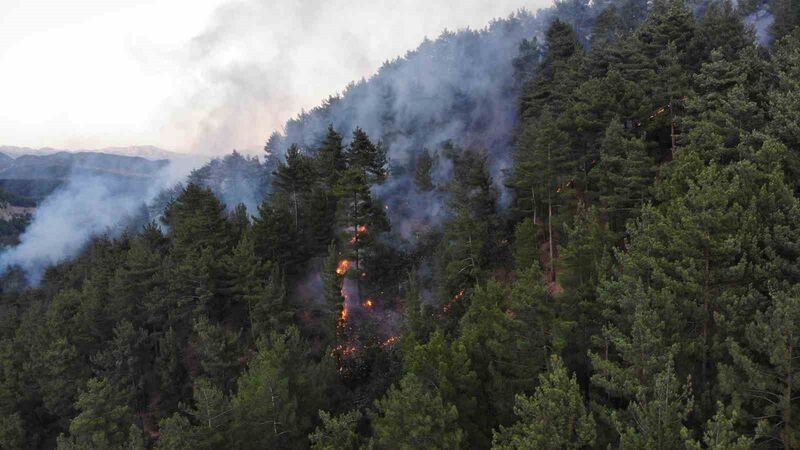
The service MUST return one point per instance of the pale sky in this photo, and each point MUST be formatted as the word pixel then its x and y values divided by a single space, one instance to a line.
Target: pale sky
pixel 198 75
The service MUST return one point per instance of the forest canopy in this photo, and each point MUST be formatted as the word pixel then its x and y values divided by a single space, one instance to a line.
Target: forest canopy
pixel 630 279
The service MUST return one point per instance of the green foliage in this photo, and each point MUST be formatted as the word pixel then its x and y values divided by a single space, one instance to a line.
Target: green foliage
pixel 526 245
pixel 787 18
pixel 720 433
pixel 623 175
pixel 412 416
pixel 104 419
pixel 446 366
pixel 646 267
pixel 554 417
pixel 277 387
pixel 422 172
pixel 657 415
pixel 337 433
pixel 768 367
pixel 469 242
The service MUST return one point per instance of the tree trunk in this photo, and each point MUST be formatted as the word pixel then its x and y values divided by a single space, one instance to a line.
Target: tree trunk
pixel 787 399
pixel 707 315
pixel 550 232
pixel 550 215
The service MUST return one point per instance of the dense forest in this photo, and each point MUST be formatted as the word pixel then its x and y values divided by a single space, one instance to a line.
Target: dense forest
pixel 626 276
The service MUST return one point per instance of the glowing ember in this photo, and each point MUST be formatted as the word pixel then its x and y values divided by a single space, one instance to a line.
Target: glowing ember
pixel 344 314
pixel 360 231
pixel 368 303
pixel 341 269
pixel 456 298
pixel 389 342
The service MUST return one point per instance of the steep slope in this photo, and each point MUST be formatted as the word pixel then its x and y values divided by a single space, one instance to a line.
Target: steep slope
pixel 460 88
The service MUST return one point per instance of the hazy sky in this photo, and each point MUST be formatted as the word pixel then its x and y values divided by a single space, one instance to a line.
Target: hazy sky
pixel 204 75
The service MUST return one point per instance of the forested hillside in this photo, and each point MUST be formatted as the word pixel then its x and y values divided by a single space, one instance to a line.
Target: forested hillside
pixel 600 249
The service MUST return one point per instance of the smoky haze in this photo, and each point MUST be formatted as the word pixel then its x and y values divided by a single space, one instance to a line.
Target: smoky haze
pixel 259 62
pixel 84 207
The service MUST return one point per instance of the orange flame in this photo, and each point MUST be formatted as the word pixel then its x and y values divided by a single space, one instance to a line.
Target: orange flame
pixel 343 266
pixel 456 298
pixel 360 231
pixel 391 341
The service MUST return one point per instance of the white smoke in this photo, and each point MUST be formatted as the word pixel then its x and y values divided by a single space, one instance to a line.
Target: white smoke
pixel 84 207
pixel 260 61
pixel 761 21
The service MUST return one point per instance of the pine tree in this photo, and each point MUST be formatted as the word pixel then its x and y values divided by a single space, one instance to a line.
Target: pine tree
pixel 418 326
pixel 330 161
pixel 528 57
pixel 544 166
pixel 585 259
pixel 104 420
pixel 623 175
pixel 197 220
pixel 422 172
pixel 125 360
pixel 211 416
pixel 770 369
pixel 245 275
pixel 669 23
pixel 468 245
pixel 787 18
pixel 503 348
pixel 722 28
pixel 723 112
pixel 784 101
pixel 218 352
pixel 526 245
pixel 275 238
pixel 239 220
pixel 557 76
pixel 720 433
pixel 293 180
pixel 337 433
pixel 446 366
pixel 554 417
pixel 657 414
pixel 367 158
pixel 411 416
pixel 334 301
pixel 269 308
pixel 279 385
pixel 361 218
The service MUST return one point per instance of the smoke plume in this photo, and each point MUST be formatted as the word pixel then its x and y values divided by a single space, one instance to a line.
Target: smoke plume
pixel 259 62
pixel 84 207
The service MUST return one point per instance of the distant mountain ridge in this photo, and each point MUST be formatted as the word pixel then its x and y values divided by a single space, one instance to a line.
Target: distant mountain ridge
pixel 35 176
pixel 144 151
pixel 62 165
